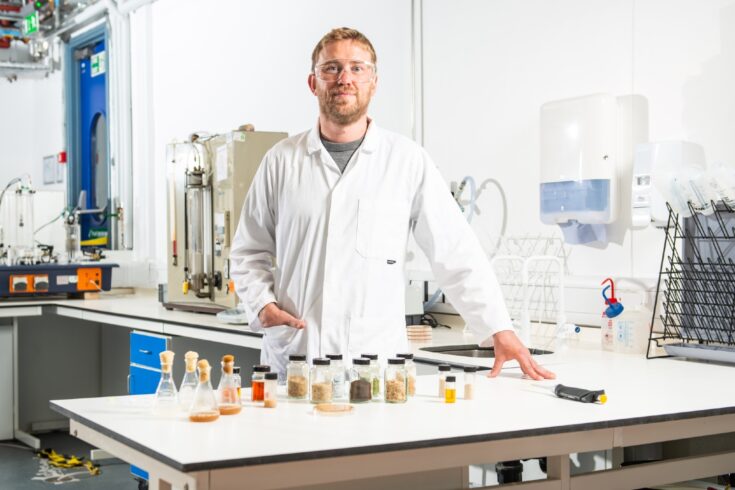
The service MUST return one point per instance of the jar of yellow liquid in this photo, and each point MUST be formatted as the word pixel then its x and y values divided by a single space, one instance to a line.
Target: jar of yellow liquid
pixel 450 389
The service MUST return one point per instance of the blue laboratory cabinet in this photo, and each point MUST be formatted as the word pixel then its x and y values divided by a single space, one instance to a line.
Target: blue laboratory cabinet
pixel 145 370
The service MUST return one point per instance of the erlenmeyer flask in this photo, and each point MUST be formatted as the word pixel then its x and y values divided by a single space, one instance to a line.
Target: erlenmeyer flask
pixel 190 381
pixel 228 400
pixel 166 400
pixel 204 406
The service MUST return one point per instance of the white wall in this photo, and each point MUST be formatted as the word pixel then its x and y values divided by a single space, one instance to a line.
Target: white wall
pixel 236 62
pixel 31 127
pixel 490 65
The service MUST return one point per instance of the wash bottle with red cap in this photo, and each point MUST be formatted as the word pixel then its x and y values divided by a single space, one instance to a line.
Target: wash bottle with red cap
pixel 613 308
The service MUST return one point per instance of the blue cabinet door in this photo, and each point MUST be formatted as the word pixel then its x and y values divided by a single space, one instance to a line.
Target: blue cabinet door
pixel 143 381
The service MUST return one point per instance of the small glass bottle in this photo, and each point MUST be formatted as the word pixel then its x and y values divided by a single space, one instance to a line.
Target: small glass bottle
pixel 410 372
pixel 450 391
pixel 338 376
pixel 321 381
pixel 204 407
pixel 238 381
pixel 166 401
pixel 297 377
pixel 375 365
pixel 190 381
pixel 443 370
pixel 258 382
pixel 396 382
pixel 269 394
pixel 469 382
pixel 361 381
pixel 228 400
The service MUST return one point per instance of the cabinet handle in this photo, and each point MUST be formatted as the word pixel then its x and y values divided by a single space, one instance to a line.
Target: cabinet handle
pixel 130 376
pixel 145 351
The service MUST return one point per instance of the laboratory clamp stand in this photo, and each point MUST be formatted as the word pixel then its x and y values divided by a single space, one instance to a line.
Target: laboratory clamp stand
pixel 29 269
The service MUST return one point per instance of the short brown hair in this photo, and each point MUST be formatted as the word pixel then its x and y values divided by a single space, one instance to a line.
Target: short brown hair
pixel 342 34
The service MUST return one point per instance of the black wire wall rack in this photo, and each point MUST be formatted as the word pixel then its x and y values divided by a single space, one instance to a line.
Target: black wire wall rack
pixel 697 283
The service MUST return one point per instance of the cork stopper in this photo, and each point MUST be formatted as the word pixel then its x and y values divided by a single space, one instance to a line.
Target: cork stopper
pixel 204 368
pixel 228 361
pixel 190 358
pixel 167 360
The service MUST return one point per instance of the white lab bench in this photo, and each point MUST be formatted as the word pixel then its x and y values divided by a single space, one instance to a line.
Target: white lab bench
pixel 510 418
pixel 422 441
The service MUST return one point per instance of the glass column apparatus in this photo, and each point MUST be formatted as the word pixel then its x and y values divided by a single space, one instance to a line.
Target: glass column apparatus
pixel 24 244
pixel 198 234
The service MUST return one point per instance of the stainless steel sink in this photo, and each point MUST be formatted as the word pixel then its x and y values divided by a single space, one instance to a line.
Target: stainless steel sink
pixel 473 350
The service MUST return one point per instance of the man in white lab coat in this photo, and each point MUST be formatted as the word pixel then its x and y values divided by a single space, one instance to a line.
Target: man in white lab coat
pixel 319 251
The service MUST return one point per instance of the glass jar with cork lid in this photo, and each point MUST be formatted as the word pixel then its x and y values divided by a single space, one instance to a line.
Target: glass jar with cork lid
pixel 297 377
pixel 228 398
pixel 204 406
pixel 166 400
pixel 396 381
pixel 321 381
pixel 190 381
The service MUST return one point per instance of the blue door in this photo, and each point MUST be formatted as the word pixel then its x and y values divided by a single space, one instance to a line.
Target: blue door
pixel 93 152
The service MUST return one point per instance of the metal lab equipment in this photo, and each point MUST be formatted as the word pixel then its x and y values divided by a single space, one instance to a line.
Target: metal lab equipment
pixel 696 287
pixel 208 179
pixel 29 268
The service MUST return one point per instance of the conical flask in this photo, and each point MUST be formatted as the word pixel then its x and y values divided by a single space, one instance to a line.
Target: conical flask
pixel 204 405
pixel 166 401
pixel 228 399
pixel 190 381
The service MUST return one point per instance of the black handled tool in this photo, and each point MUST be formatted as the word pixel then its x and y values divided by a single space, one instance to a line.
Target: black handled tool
pixel 580 394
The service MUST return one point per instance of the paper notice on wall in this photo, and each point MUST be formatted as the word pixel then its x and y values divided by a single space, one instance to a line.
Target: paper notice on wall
pixel 221 170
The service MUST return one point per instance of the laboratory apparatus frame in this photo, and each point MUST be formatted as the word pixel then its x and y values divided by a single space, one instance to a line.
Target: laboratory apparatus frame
pixel 697 286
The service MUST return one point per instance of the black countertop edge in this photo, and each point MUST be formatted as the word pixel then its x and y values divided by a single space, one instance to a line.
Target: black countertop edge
pixel 285 458
pixel 454 364
pixel 46 304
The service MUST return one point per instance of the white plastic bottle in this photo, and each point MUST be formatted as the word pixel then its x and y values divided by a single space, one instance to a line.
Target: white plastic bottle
pixel 607 333
pixel 632 329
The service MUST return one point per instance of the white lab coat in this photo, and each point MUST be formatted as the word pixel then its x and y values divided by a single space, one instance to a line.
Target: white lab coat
pixel 339 244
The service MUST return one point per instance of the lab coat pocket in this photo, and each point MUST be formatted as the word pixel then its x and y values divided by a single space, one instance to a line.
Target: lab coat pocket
pixel 367 334
pixel 382 228
pixel 282 338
